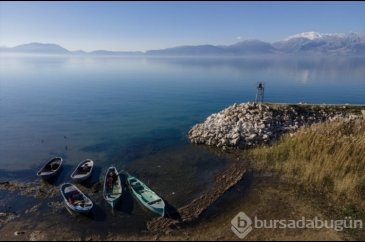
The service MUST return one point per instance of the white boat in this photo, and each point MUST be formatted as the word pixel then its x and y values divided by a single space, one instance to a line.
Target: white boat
pixel 83 171
pixel 112 190
pixel 51 168
pixel 75 200
pixel 146 196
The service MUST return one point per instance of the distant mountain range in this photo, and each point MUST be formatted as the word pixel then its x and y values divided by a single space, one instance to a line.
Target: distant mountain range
pixel 41 48
pixel 309 43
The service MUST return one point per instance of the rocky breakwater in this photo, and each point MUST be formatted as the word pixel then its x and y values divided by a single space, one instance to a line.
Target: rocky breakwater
pixel 249 124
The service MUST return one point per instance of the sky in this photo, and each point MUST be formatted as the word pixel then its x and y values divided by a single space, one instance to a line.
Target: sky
pixel 140 26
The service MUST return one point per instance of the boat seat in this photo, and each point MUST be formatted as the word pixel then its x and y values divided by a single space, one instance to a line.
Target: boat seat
pixel 132 181
pixel 138 187
pixel 115 194
pixel 156 201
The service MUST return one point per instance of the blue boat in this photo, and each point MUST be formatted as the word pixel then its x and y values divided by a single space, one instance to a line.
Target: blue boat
pixel 75 200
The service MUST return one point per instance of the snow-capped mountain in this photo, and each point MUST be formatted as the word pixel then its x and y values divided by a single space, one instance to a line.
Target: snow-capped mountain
pixel 306 35
pixel 323 43
pixel 308 43
pixel 315 35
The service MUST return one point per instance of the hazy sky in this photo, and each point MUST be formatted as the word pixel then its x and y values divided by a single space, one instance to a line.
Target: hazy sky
pixel 153 25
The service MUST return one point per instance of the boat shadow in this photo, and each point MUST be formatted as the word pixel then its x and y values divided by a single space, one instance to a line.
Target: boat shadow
pixel 94 179
pixel 97 214
pixel 126 202
pixel 171 212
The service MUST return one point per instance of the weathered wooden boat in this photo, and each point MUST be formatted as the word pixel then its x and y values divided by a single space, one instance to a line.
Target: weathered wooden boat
pixel 112 189
pixel 146 196
pixel 75 200
pixel 51 168
pixel 83 171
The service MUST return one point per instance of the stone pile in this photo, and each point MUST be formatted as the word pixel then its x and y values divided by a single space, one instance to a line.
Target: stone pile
pixel 250 124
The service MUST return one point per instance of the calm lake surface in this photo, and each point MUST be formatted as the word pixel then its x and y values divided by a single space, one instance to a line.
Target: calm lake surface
pixel 135 112
pixel 116 110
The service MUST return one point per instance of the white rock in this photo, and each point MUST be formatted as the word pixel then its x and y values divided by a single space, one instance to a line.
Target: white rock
pixel 252 136
pixel 235 141
pixel 235 135
pixel 265 137
pixel 244 122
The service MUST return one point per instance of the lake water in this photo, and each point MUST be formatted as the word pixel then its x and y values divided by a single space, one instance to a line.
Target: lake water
pixel 135 113
pixel 117 110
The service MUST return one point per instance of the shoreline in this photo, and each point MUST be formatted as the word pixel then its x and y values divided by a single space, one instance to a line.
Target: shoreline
pixel 190 218
pixel 155 227
pixel 192 211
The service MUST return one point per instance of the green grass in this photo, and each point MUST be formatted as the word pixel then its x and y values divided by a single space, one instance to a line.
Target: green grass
pixel 328 158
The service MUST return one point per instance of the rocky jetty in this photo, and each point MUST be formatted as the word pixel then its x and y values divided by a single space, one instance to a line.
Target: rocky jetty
pixel 249 124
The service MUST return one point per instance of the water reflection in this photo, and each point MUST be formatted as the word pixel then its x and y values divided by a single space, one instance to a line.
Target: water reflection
pixel 300 69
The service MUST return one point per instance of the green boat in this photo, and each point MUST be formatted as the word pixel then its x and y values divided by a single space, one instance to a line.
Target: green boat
pixel 146 196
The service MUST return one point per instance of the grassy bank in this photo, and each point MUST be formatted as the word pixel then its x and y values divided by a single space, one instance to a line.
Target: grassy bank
pixel 327 158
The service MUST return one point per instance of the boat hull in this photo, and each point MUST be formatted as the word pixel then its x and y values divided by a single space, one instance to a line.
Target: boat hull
pixel 82 178
pixel 46 175
pixel 87 203
pixel 146 206
pixel 159 211
pixel 112 196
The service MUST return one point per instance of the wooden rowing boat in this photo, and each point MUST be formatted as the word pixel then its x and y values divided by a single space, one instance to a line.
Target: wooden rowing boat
pixel 146 196
pixel 83 171
pixel 75 200
pixel 51 168
pixel 113 189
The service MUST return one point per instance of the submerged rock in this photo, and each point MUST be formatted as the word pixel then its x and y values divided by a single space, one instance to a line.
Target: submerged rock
pixel 56 205
pixel 33 189
pixel 250 124
pixel 6 217
pixel 33 209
